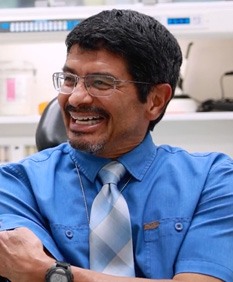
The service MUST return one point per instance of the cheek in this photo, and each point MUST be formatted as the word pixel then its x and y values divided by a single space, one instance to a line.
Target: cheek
pixel 129 113
pixel 62 100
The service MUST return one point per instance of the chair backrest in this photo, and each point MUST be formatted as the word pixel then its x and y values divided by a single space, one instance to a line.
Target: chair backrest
pixel 50 131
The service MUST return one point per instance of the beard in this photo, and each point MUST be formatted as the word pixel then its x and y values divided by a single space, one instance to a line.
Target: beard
pixel 88 147
pixel 78 142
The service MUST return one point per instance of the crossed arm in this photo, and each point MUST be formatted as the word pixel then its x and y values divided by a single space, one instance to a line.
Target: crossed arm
pixel 24 259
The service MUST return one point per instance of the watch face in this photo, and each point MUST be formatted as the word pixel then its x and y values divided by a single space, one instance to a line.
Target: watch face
pixel 58 277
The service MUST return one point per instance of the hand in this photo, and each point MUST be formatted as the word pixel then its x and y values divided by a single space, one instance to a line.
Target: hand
pixel 22 256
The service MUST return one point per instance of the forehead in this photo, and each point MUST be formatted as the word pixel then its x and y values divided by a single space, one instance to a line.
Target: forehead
pixel 87 61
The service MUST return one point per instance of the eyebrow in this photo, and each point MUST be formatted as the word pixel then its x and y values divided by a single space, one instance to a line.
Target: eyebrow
pixel 71 70
pixel 68 69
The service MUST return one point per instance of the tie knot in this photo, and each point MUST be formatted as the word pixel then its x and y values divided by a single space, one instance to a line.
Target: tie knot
pixel 112 172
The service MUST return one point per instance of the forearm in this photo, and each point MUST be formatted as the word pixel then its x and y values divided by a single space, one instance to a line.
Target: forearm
pixel 85 275
pixel 24 259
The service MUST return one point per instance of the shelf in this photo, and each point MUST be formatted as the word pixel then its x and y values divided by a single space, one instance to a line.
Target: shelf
pixel 199 116
pixel 183 19
pixel 194 116
pixel 206 131
pixel 19 120
pixel 196 132
pixel 17 138
pixel 17 127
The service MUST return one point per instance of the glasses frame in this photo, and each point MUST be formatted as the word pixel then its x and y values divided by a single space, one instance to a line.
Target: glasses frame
pixel 77 78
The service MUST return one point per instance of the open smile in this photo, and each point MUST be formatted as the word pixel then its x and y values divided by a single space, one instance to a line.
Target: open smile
pixel 86 119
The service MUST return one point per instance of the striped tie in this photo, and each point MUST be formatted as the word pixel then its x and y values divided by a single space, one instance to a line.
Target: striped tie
pixel 111 249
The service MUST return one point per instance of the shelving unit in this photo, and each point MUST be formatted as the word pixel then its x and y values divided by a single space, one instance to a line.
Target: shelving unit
pixel 17 137
pixel 199 116
pixel 193 131
pixel 210 131
pixel 181 18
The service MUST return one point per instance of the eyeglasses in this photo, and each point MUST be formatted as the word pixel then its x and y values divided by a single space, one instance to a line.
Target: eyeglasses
pixel 95 84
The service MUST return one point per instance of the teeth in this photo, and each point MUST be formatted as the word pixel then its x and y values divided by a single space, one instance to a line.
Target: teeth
pixel 86 118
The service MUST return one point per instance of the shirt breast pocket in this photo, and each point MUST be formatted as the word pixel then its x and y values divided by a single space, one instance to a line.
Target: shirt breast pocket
pixel 73 242
pixel 163 239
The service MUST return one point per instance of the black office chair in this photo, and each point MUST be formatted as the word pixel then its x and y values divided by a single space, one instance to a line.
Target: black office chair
pixel 50 131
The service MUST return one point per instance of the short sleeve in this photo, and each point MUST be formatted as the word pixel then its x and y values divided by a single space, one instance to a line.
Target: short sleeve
pixel 18 207
pixel 208 245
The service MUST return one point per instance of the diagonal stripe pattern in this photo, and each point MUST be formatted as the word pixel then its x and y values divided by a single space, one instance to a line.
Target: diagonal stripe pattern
pixel 111 249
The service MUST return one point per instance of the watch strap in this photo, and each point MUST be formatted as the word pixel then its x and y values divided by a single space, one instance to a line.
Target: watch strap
pixel 60 265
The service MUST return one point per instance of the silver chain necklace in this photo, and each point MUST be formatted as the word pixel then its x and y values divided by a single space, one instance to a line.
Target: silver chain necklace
pixel 84 195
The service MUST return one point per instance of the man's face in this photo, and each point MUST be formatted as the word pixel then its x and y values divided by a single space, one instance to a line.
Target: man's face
pixel 107 126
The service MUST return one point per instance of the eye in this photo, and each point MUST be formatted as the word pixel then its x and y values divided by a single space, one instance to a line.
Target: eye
pixel 69 80
pixel 101 82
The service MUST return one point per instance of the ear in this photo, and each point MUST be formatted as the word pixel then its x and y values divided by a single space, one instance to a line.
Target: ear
pixel 157 100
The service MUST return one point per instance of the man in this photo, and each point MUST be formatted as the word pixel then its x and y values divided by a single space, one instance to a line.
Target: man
pixel 120 73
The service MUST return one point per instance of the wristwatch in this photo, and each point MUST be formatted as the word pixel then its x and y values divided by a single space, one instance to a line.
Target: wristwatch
pixel 60 272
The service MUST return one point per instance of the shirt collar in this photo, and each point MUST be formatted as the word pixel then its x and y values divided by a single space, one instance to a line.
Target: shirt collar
pixel 136 161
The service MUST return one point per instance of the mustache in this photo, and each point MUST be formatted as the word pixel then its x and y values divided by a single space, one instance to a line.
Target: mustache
pixel 87 109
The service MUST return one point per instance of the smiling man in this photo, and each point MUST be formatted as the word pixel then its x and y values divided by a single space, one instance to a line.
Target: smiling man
pixel 109 205
pixel 103 115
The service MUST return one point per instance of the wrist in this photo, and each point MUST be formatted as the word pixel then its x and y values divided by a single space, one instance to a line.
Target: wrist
pixel 38 274
pixel 60 271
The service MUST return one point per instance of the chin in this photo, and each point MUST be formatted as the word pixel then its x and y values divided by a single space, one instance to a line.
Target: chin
pixel 88 147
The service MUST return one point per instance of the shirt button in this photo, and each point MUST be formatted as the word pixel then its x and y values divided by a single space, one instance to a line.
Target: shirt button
pixel 69 234
pixel 179 226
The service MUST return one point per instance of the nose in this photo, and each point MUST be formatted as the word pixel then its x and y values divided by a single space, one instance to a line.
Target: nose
pixel 80 94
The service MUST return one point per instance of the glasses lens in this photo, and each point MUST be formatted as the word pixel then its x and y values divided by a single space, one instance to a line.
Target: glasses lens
pixel 64 82
pixel 99 85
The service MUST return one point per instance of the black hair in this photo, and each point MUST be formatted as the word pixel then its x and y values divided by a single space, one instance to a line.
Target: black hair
pixel 151 52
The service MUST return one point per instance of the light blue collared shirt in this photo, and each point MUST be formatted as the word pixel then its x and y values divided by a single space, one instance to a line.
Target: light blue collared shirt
pixel 181 206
